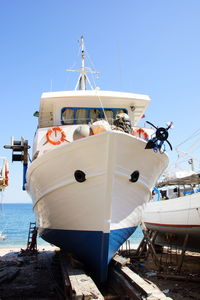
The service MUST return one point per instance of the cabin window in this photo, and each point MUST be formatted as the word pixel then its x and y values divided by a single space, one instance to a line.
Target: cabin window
pixel 119 111
pixel 95 114
pixel 109 115
pixel 81 116
pixel 68 116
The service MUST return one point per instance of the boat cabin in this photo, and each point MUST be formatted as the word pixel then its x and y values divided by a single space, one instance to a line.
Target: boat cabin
pixel 88 106
pixel 70 109
pixel 62 112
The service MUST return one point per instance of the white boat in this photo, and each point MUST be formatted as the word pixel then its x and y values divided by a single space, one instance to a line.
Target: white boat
pixel 178 214
pixel 88 181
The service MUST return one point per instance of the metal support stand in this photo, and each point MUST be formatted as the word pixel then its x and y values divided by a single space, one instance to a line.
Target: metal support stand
pixel 149 242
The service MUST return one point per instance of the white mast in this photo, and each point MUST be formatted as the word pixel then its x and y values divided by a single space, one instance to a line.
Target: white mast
pixel 83 78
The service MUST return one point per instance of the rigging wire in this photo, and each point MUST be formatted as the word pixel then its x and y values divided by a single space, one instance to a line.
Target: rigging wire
pixel 195 144
pixel 197 132
pixel 184 156
pixel 95 86
pixel 89 58
pixel 78 54
pixel 93 66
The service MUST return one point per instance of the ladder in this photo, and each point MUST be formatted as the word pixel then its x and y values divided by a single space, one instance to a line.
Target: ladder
pixel 32 237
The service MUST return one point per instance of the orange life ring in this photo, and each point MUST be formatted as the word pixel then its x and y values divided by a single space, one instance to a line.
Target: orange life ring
pixel 58 142
pixel 141 133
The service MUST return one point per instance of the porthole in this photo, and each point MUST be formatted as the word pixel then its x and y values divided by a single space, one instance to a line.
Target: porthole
pixel 135 176
pixel 79 176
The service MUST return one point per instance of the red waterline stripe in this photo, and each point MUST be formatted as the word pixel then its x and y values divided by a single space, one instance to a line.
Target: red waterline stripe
pixel 172 225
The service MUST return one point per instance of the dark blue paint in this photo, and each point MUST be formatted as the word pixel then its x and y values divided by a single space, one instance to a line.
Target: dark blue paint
pixel 117 238
pixel 24 176
pixel 94 248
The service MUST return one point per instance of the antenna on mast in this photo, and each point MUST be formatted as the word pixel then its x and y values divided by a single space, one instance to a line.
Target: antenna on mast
pixel 83 78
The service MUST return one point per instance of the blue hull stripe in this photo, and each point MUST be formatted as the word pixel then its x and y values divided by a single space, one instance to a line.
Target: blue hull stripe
pixel 94 248
pixel 117 238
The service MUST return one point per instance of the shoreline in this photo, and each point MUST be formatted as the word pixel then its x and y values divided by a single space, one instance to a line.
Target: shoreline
pixel 13 249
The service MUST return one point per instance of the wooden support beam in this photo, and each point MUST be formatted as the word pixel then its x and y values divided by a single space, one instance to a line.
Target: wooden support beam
pixel 141 248
pixel 150 242
pixel 122 286
pixel 66 281
pixel 121 261
pixel 183 252
pixel 150 290
pixel 135 286
pixel 78 285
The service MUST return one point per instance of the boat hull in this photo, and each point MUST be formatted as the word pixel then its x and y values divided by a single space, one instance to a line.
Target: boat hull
pixel 94 248
pixel 173 219
pixel 93 218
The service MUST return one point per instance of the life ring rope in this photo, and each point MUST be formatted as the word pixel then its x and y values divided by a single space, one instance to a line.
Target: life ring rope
pixel 140 132
pixel 58 142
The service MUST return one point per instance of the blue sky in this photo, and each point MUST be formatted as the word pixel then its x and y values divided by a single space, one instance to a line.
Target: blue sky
pixel 148 46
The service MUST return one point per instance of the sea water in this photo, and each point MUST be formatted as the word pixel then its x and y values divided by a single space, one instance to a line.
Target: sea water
pixel 15 219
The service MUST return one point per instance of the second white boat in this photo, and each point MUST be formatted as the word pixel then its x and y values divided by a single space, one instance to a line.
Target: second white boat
pixel 178 215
